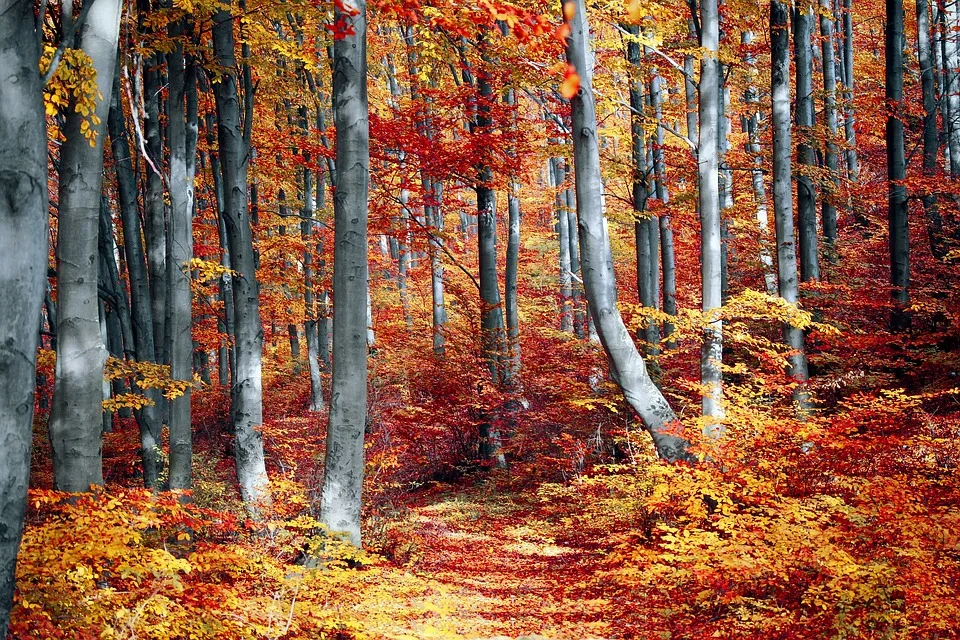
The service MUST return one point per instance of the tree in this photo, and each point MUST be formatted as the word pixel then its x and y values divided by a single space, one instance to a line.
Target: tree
pixel 247 393
pixel 343 478
pixel 788 284
pixel 627 366
pixel 806 155
pixel 897 210
pixel 711 355
pixel 23 270
pixel 75 421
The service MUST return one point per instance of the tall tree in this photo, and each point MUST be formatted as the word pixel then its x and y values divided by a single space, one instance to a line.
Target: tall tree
pixel 247 392
pixel 897 169
pixel 806 155
pixel 343 479
pixel 149 418
pixel 75 420
pixel 931 136
pixel 627 366
pixel 828 208
pixel 710 259
pixel 23 270
pixel 782 187
pixel 182 151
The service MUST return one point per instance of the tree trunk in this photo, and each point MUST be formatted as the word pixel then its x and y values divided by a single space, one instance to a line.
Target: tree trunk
pixel 180 244
pixel 511 298
pixel 23 270
pixel 951 61
pixel 782 186
pixel 709 201
pixel 831 185
pixel 247 391
pixel 307 226
pixel 806 157
pixel 149 418
pixel 75 420
pixel 931 143
pixel 580 321
pixel 563 235
pixel 627 366
pixel 750 124
pixel 343 481
pixel 897 170
pixel 853 163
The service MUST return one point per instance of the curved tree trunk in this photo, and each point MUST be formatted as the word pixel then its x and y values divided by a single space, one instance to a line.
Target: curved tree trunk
pixel 23 270
pixel 343 480
pixel 626 364
pixel 75 420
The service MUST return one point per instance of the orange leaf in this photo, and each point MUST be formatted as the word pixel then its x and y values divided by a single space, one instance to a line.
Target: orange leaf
pixel 569 10
pixel 571 83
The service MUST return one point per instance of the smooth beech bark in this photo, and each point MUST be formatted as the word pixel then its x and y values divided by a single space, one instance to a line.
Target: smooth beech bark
pixel 343 479
pixel 897 170
pixel 149 418
pixel 711 354
pixel 750 123
pixel 831 186
pixel 627 366
pixel 23 270
pixel 247 392
pixel 563 237
pixel 806 156
pixel 931 142
pixel 182 150
pixel 782 187
pixel 76 417
pixel 849 132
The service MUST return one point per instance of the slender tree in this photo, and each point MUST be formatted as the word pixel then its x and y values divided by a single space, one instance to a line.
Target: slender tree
pixel 247 392
pixel 897 169
pixel 627 366
pixel 806 156
pixel 828 208
pixel 708 162
pixel 931 142
pixel 782 187
pixel 343 479
pixel 23 270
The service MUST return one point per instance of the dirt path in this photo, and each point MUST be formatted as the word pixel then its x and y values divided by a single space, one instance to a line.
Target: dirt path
pixel 486 567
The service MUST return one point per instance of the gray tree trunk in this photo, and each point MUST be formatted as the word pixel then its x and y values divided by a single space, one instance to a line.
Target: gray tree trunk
pixel 853 162
pixel 931 143
pixel 580 321
pixel 307 226
pixel 343 479
pixel 951 60
pixel 711 354
pixel 831 185
pixel 511 298
pixel 806 157
pixel 23 270
pixel 782 185
pixel 897 169
pixel 563 235
pixel 750 122
pixel 247 391
pixel 149 418
pixel 180 251
pixel 76 417
pixel 627 366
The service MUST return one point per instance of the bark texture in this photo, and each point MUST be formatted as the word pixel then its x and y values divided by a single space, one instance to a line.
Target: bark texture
pixel 247 391
pixel 75 420
pixel 23 270
pixel 343 480
pixel 627 366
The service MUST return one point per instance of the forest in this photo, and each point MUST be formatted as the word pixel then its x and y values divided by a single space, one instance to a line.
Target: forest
pixel 498 319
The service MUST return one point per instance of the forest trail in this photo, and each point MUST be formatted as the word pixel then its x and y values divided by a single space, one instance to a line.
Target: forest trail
pixel 484 565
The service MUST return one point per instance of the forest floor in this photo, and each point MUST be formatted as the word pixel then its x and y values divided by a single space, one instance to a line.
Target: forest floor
pixel 483 564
